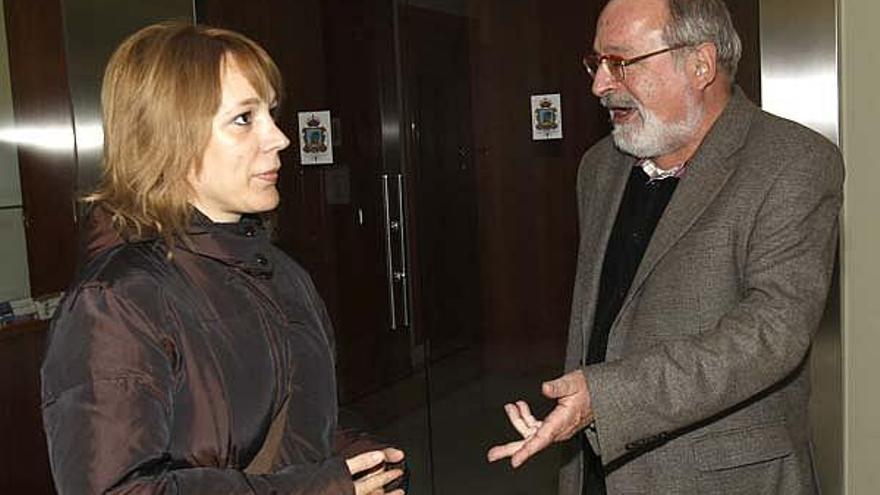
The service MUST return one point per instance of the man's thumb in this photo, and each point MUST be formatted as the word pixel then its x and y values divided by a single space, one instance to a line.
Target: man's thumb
pixel 557 388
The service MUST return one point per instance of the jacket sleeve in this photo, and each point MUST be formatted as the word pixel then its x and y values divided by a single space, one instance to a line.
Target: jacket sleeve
pixel 648 396
pixel 108 385
pixel 351 436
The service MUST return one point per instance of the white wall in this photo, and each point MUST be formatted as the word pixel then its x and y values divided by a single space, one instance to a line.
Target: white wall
pixel 860 133
pixel 13 251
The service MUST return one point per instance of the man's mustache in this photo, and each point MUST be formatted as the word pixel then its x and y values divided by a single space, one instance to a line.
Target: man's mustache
pixel 614 100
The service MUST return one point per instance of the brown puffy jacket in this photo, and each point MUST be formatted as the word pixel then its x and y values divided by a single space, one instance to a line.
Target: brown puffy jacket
pixel 164 375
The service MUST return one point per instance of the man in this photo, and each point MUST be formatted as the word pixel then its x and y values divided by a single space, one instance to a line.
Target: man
pixel 708 233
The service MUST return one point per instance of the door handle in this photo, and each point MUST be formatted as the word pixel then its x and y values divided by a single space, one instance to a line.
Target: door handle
pixel 401 275
pixel 395 253
pixel 389 263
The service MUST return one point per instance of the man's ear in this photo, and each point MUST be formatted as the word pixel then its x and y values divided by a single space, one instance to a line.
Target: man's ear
pixel 702 67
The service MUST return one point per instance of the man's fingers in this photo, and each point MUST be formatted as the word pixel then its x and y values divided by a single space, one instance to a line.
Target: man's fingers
pixel 374 483
pixel 527 417
pixel 553 426
pixel 557 388
pixel 568 384
pixel 532 446
pixel 516 418
pixel 365 461
pixel 501 451
pixel 560 424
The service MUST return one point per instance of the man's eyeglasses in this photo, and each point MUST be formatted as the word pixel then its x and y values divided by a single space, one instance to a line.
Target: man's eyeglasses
pixel 616 65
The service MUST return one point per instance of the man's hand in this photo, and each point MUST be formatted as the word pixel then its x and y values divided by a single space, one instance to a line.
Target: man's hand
pixel 572 413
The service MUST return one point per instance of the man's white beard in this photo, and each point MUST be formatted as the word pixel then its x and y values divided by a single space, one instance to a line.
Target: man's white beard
pixel 651 137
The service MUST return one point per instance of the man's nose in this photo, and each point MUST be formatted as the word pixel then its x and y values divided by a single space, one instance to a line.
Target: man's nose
pixel 603 81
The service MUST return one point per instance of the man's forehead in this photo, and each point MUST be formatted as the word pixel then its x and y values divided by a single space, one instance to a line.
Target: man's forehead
pixel 630 25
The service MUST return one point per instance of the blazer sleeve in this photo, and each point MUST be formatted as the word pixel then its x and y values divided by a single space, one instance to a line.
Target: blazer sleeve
pixel 647 397
pixel 108 385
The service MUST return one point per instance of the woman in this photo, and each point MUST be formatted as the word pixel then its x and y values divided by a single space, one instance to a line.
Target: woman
pixel 191 356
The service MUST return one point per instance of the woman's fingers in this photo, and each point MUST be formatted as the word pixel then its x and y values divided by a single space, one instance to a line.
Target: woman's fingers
pixel 393 455
pixel 365 461
pixel 374 483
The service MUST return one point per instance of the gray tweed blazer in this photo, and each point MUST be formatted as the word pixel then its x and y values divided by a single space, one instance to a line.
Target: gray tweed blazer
pixel 705 386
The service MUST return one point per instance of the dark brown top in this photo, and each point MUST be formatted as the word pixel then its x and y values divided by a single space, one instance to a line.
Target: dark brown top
pixel 163 376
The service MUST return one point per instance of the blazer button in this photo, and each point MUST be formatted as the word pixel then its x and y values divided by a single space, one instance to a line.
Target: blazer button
pixel 638 444
pixel 646 442
pixel 261 260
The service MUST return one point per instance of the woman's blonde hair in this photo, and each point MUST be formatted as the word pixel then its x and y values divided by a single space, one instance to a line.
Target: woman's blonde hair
pixel 160 93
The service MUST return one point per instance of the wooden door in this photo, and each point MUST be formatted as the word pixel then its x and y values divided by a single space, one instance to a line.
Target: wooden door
pixel 442 179
pixel 332 54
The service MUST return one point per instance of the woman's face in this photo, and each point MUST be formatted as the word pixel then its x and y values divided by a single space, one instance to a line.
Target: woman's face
pixel 239 169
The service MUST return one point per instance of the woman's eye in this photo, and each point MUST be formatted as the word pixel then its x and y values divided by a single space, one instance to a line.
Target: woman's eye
pixel 243 119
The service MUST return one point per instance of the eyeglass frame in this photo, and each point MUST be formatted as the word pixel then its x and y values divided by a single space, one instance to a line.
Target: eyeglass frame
pixel 620 63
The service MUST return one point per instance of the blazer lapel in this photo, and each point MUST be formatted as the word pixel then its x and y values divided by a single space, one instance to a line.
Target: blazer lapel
pixel 706 174
pixel 596 226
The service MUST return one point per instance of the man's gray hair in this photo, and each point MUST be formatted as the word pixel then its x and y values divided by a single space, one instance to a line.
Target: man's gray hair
pixel 699 21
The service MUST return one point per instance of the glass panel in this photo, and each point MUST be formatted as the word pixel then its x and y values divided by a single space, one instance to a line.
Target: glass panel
pixel 342 221
pixel 494 232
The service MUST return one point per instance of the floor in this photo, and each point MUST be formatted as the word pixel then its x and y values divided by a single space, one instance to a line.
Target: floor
pixel 465 418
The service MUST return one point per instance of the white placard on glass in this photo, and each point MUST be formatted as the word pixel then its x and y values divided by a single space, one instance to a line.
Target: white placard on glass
pixel 546 117
pixel 315 138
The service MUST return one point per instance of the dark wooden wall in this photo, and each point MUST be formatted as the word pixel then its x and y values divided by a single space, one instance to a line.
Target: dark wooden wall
pixel 745 14
pixel 527 198
pixel 41 101
pixel 24 460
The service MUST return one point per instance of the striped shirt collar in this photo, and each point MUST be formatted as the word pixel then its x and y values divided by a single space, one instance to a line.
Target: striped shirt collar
pixel 656 173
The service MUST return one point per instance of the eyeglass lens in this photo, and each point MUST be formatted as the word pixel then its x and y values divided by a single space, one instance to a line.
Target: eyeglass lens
pixel 594 62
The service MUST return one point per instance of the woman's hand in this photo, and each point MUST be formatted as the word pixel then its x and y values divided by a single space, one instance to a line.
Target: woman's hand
pixel 375 477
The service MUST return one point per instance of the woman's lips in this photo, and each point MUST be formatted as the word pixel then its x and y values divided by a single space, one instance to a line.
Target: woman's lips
pixel 268 176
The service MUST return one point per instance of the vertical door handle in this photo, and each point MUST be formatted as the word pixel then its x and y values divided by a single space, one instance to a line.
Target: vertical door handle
pixel 396 262
pixel 402 274
pixel 389 262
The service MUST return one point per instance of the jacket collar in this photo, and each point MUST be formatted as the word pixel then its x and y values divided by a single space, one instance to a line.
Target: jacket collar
pixel 244 244
pixel 707 172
